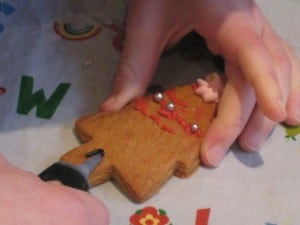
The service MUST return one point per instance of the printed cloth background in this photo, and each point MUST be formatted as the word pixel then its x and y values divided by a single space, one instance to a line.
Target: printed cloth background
pixel 57 60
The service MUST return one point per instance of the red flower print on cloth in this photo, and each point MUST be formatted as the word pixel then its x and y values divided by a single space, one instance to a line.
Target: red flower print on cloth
pixel 2 90
pixel 149 216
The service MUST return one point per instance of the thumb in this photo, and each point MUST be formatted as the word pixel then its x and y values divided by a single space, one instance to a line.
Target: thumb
pixel 142 50
pixel 127 85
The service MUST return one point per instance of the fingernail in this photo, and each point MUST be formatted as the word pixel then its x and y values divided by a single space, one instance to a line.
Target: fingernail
pixel 108 104
pixel 215 155
pixel 295 116
pixel 254 142
pixel 112 99
pixel 282 110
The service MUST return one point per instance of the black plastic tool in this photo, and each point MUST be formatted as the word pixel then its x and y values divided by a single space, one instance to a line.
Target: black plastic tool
pixel 75 176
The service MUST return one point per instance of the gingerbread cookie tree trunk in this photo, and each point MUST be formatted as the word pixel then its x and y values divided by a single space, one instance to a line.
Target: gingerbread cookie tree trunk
pixel 147 142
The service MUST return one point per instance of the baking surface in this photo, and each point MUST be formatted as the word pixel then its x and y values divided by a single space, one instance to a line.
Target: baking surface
pixel 38 48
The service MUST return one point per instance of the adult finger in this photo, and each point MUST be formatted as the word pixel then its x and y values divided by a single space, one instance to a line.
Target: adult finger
pixel 235 107
pixel 142 50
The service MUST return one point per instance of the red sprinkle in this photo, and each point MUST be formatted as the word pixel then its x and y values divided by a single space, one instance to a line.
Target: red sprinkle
pixel 183 124
pixel 156 119
pixel 172 96
pixel 167 114
pixel 195 86
pixel 162 104
pixel 2 90
pixel 140 104
pixel 167 128
pixel 198 133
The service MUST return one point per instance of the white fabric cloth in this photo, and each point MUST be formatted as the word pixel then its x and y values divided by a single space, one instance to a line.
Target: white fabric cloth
pixel 259 189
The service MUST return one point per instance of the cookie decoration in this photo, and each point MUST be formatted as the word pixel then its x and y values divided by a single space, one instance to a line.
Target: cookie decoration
pixel 147 142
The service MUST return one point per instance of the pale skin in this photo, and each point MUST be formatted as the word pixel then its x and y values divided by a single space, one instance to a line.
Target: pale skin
pixel 263 88
pixel 263 72
pixel 27 200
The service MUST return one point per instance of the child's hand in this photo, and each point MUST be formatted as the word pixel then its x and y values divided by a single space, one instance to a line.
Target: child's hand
pixel 263 73
pixel 27 200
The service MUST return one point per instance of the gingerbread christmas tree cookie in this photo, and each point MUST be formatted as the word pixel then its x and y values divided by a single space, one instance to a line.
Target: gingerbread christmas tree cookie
pixel 147 142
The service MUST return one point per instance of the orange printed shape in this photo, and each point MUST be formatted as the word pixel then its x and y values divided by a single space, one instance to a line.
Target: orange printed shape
pixel 202 216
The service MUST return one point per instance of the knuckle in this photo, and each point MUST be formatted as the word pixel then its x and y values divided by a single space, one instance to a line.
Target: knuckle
pixel 284 65
pixel 232 128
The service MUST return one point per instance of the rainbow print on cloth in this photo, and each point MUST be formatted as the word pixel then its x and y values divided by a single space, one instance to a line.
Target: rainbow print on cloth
pixel 69 32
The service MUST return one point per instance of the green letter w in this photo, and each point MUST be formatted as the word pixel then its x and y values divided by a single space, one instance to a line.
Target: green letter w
pixel 44 108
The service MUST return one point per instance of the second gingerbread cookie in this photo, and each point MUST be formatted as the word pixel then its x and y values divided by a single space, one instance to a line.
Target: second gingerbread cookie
pixel 147 142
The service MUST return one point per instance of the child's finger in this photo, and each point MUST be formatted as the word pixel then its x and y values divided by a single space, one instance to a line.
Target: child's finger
pixel 235 107
pixel 256 131
pixel 259 127
pixel 293 103
pixel 142 50
pixel 257 65
pixel 281 61
pixel 244 46
pixel 287 66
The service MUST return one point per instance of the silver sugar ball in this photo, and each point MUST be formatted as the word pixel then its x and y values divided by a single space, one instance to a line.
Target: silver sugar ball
pixel 170 106
pixel 194 127
pixel 158 97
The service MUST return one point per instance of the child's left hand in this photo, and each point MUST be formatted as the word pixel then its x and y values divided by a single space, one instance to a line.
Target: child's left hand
pixel 263 73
